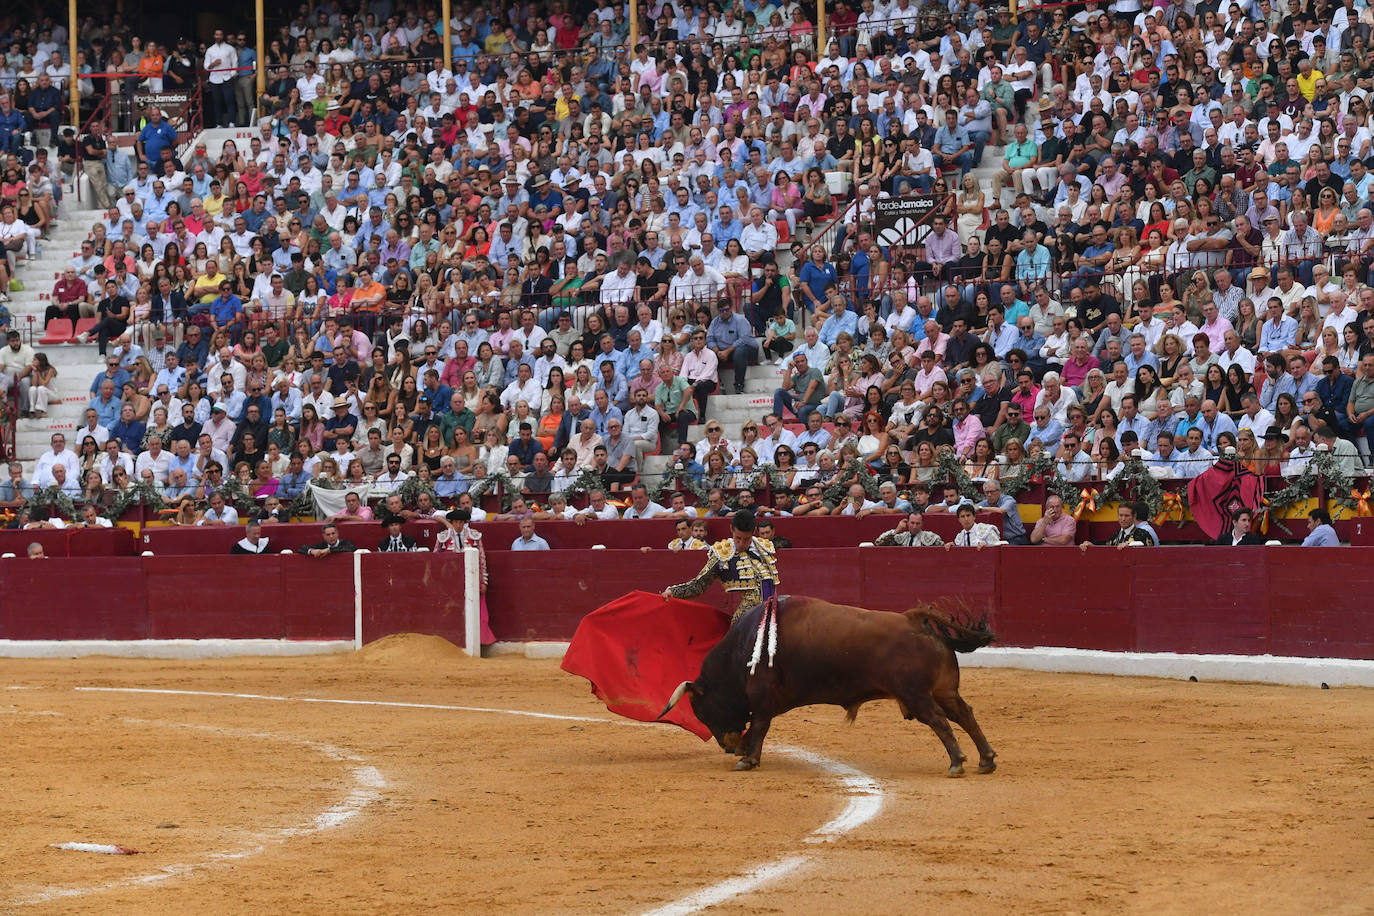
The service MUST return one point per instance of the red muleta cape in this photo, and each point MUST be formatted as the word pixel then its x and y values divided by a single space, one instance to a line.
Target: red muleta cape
pixel 639 648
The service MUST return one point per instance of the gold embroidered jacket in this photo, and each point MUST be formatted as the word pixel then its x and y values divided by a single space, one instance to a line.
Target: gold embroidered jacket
pixel 741 574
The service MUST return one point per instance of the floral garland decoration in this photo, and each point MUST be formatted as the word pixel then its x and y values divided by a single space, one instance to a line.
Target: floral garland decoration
pixel 1340 486
pixel 1135 480
pixel 410 491
pixel 672 481
pixel 1339 489
pixel 584 482
pixel 1298 491
pixel 56 500
pixel 484 484
pixel 855 471
pixel 953 471
pixel 237 495
pixel 140 493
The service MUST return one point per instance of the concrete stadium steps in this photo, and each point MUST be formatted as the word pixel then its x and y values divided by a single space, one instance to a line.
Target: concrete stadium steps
pixel 77 365
pixel 39 275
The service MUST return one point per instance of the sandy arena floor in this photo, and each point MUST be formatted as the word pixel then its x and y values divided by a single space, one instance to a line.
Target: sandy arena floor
pixel 1113 795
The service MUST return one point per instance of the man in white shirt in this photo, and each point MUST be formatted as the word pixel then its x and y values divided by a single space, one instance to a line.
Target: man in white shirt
pixel 640 504
pixel 597 508
pixel 618 286
pixel 392 478
pixel 220 59
pixel 1236 355
pixel 524 388
pixel 758 238
pixel 219 514
pixel 155 459
pixel 641 425
pixel 57 454
pixel 972 533
pixel 529 334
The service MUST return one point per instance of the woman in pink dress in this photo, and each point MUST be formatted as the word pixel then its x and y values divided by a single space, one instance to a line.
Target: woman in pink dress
pixel 455 538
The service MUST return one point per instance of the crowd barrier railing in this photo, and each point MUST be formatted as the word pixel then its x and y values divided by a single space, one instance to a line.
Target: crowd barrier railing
pixel 1240 601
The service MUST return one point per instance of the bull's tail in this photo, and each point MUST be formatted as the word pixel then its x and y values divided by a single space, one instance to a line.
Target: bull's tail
pixel 962 635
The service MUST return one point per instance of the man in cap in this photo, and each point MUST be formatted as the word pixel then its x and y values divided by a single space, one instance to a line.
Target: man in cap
pixel 395 541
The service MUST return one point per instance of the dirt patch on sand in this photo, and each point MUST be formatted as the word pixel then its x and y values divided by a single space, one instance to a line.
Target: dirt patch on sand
pixel 410 649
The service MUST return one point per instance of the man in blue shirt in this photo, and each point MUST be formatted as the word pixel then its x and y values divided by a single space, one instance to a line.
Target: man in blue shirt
pixel 1029 342
pixel 106 405
pixel 726 227
pixel 226 311
pixel 840 321
pixel 1139 356
pixel 614 384
pixel 603 411
pixel 524 446
pixel 156 135
pixel 295 480
pixel 12 125
pixel 528 540
pixel 1334 391
pixel 635 351
pixel 128 430
pixel 1091 263
pixel 732 340
pixel 952 144
pixel 449 484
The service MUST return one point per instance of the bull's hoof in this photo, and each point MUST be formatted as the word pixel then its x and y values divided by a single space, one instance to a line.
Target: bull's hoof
pixel 956 770
pixel 987 766
pixel 745 764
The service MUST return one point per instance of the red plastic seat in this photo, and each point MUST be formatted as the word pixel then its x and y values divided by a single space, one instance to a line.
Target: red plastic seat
pixel 59 330
pixel 85 325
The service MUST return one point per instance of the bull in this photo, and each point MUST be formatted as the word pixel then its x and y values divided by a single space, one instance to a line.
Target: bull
pixel 843 656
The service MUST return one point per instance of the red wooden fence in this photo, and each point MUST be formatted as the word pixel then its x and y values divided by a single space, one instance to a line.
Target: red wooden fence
pixel 1246 601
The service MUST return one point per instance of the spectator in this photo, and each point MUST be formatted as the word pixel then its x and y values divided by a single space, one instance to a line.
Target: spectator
pixel 910 532
pixel 252 541
pixel 331 544
pixel 528 540
pixel 395 541
pixel 733 342
pixel 219 512
pixel 803 388
pixel 353 511
pixel 973 533
pixel 1320 532
pixel 1055 527
pixel 994 500
pixel 1240 534
pixel 1130 533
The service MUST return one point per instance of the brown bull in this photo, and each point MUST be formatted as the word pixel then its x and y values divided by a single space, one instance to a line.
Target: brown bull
pixel 844 656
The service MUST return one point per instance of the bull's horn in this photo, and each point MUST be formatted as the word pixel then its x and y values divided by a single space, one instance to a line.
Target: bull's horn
pixel 673 700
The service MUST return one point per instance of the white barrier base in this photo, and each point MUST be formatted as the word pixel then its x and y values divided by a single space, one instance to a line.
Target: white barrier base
pixel 528 649
pixel 1263 669
pixel 170 648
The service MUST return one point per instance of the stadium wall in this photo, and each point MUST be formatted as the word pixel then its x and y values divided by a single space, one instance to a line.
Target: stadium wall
pixel 1247 601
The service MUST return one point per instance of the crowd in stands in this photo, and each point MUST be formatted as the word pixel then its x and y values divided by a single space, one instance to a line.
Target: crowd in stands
pixel 545 251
